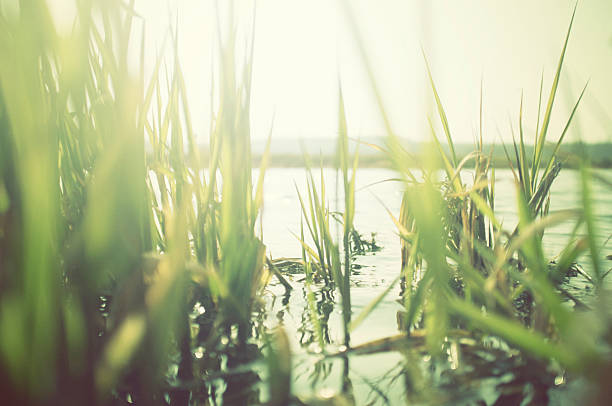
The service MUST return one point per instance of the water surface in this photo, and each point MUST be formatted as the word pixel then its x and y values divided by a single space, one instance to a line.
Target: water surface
pixel 379 378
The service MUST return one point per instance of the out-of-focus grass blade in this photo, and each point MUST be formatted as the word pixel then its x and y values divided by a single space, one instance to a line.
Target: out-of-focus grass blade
pixel 515 333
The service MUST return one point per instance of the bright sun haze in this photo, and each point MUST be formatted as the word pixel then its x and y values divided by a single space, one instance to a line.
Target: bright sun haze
pixel 303 48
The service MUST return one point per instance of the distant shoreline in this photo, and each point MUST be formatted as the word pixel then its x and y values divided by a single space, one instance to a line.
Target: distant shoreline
pixel 380 161
pixel 287 153
pixel 570 155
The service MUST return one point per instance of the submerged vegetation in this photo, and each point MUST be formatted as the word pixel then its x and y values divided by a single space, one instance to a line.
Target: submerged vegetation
pixel 133 268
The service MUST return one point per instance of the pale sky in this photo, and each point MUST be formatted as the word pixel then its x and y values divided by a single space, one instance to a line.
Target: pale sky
pixel 303 47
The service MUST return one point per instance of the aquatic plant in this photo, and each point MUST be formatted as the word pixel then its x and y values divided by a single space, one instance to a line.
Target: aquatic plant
pixel 463 270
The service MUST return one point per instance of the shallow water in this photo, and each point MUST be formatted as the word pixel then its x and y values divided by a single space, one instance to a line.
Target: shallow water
pixel 380 378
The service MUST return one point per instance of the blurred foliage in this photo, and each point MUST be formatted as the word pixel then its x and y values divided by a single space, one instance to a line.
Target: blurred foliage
pixel 105 251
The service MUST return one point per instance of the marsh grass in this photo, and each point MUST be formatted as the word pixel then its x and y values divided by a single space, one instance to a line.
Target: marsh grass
pixel 463 270
pixel 491 274
pixel 85 215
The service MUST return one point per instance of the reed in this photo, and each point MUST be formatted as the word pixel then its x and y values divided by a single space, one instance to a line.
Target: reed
pixel 153 234
pixel 462 269
pixel 480 272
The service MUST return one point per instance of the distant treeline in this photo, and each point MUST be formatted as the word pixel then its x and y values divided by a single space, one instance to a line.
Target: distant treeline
pixel 599 155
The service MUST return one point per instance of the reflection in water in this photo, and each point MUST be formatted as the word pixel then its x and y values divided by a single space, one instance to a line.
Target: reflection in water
pixel 324 301
pixel 320 372
pixel 347 385
pixel 241 388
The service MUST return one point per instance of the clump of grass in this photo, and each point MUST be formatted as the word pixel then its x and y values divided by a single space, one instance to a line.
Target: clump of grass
pixel 223 205
pixel 87 213
pixel 77 186
pixel 464 270
pixel 316 213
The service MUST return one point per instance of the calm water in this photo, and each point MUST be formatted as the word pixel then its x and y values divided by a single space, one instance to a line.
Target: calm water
pixel 369 374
